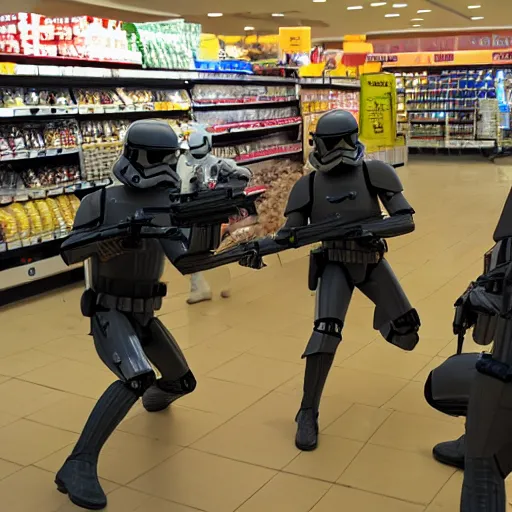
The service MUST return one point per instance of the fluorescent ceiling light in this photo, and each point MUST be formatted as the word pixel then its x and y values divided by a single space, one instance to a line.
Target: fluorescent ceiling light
pixel 421 11
pixel 319 1
pixel 416 26
pixel 476 18
pixel 399 6
pixel 354 8
pixel 215 14
pixel 392 16
pixel 474 6
pixel 277 14
pixel 378 4
pixel 417 19
pixel 248 28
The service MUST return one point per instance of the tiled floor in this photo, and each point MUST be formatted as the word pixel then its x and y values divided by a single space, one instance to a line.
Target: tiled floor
pixel 229 446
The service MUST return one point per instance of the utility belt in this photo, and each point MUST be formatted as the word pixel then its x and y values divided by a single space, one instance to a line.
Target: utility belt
pixel 93 302
pixel 343 251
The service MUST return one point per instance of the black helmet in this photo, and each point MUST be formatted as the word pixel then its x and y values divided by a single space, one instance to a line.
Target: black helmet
pixel 336 141
pixel 150 155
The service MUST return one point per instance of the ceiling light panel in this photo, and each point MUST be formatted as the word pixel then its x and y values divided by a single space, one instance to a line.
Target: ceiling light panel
pixel 277 14
pixel 393 15
pixel 354 8
pixel 422 11
pixel 399 6
pixel 477 18
pixel 474 6
pixel 378 4
pixel 215 14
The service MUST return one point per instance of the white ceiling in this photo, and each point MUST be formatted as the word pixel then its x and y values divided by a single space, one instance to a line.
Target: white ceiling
pixel 329 19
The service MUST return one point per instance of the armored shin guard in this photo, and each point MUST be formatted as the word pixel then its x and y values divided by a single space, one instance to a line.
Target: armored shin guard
pixel 317 369
pixel 78 477
pixel 403 332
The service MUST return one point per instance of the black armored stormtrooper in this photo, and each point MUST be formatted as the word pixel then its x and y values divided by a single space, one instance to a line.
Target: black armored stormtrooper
pixel 479 386
pixel 125 251
pixel 345 188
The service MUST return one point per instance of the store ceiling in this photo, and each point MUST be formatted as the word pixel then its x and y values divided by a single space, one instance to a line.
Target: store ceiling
pixel 328 18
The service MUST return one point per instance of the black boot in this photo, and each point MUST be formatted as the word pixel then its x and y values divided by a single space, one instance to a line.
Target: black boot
pixel 162 394
pixel 317 369
pixel 78 477
pixel 451 453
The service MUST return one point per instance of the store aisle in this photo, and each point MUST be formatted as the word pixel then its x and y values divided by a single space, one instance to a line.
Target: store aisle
pixel 229 445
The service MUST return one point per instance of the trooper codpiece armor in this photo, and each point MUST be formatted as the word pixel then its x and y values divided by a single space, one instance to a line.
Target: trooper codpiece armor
pixel 346 186
pixel 125 291
pixel 479 386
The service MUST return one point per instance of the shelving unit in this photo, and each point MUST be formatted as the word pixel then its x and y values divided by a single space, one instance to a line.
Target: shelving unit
pixel 444 109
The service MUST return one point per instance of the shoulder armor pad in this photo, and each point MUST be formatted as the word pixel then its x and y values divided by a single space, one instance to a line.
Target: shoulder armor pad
pixel 90 211
pixel 301 194
pixel 383 176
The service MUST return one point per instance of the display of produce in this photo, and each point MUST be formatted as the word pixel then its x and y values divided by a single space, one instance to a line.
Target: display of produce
pixel 33 222
pixel 207 94
pixel 278 176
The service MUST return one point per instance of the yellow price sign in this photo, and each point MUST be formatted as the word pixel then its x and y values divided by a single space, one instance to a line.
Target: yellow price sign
pixel 295 39
pixel 7 68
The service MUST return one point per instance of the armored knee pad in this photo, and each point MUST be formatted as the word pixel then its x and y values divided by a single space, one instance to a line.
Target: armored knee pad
pixel 140 384
pixel 182 386
pixel 325 338
pixel 403 332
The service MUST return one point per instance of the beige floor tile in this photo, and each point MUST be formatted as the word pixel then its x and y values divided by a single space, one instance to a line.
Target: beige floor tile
pixel 203 359
pixel 353 386
pixel 237 339
pixel 221 397
pixel 23 362
pixel 415 433
pixel 123 458
pixel 423 374
pixel 29 490
pixel 359 423
pixel 347 349
pixel 6 418
pixel 69 413
pixel 432 346
pixel 395 473
pixel 260 372
pixel 388 360
pixel 278 346
pixel 8 468
pixel 25 442
pixel 177 425
pixel 195 333
pixel 411 399
pixel 286 493
pixel 361 501
pixel 72 376
pixel 204 481
pixel 328 461
pixel 124 499
pixel 266 444
pixel 19 398
pixel 448 499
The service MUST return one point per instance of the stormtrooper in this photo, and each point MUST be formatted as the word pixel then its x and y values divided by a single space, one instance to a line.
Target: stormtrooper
pixel 198 169
pixel 125 249
pixel 479 386
pixel 344 189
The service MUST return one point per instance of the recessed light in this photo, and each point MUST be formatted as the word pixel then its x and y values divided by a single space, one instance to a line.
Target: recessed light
pixel 215 14
pixel 378 4
pixel 421 11
pixel 417 19
pixel 474 6
pixel 476 18
pixel 416 26
pixel 391 15
pixel 277 14
pixel 249 28
pixel 399 6
pixel 354 8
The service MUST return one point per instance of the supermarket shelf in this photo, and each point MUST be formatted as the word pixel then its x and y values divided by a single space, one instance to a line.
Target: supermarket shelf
pixel 43 153
pixel 251 126
pixel 28 194
pixel 34 271
pixel 259 156
pixel 330 83
pixel 240 104
pixel 462 109
pixel 452 144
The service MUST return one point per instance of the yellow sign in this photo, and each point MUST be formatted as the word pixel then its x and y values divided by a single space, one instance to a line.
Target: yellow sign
pixel 7 68
pixel 378 110
pixel 295 39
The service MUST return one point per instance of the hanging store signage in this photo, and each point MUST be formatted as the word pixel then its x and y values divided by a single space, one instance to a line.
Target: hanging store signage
pixel 295 39
pixel 378 110
pixel 431 59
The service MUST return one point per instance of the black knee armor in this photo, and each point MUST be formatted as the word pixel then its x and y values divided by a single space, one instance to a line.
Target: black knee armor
pixel 182 386
pixel 404 330
pixel 329 326
pixel 141 384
